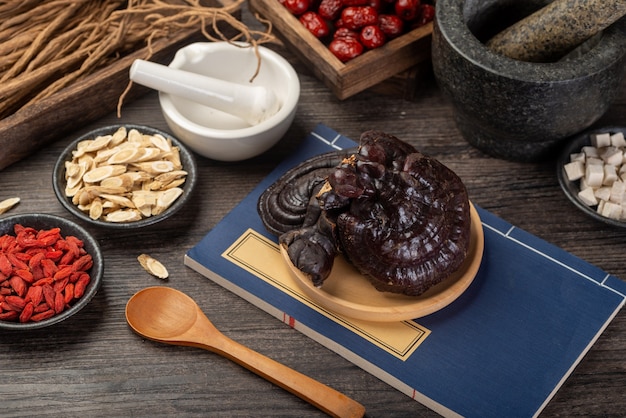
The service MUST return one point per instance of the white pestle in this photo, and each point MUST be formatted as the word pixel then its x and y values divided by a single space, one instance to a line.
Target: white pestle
pixel 253 104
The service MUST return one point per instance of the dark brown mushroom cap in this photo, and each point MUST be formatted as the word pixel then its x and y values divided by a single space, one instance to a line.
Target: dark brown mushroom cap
pixel 400 217
pixel 289 203
pixel 411 228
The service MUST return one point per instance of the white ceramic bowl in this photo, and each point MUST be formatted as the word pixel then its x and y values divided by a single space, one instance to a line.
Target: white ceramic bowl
pixel 218 135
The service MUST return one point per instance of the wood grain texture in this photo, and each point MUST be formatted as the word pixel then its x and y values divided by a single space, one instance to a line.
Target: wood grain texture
pixel 95 365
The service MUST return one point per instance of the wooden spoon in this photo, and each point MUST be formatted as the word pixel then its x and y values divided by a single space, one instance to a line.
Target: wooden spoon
pixel 169 316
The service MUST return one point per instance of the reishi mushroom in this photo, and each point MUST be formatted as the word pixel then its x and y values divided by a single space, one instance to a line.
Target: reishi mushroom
pixel 400 217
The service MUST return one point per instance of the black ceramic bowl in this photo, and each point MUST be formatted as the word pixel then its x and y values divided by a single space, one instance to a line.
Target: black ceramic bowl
pixel 59 182
pixel 571 188
pixel 43 221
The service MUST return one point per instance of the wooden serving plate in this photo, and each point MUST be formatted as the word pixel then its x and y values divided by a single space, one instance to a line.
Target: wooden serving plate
pixel 358 74
pixel 347 292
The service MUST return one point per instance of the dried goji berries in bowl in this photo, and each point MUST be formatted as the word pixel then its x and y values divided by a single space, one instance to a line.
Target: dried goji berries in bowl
pixel 124 176
pixel 50 268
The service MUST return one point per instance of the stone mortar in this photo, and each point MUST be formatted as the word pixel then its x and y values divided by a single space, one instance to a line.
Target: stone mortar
pixel 518 110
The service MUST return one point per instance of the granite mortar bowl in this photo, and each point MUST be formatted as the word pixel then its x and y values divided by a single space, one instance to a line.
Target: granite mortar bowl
pixel 41 221
pixel 218 135
pixel 518 110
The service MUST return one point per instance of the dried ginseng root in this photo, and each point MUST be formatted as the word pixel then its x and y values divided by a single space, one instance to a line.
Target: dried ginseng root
pixel 153 266
pixel 124 177
pixel 8 204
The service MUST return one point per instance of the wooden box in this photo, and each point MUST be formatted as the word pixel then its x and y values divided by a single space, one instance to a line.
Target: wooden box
pixel 31 128
pixel 346 79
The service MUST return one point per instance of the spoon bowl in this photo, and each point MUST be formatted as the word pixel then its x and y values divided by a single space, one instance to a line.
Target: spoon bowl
pixel 169 316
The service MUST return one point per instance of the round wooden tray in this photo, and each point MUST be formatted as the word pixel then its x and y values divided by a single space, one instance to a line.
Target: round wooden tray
pixel 348 293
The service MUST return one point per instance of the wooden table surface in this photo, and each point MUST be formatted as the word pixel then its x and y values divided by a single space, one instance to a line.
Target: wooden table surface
pixel 94 365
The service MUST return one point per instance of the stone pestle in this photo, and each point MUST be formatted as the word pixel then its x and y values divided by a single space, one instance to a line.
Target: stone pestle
pixel 556 29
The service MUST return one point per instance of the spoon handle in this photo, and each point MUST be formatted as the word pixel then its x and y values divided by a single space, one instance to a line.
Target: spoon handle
pixel 318 394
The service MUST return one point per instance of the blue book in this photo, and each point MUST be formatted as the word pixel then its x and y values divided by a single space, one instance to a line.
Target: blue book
pixel 502 348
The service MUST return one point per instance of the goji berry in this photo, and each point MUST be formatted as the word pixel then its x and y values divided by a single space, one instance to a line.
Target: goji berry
pixel 49 237
pixel 43 315
pixel 49 294
pixel 9 316
pixel 81 285
pixel 35 260
pixel 34 295
pixel 67 259
pixel 63 272
pixel 68 293
pixel 23 256
pixel 42 307
pixel 45 280
pixel 16 262
pixel 25 274
pixel 74 242
pixel 6 241
pixel 6 267
pixel 84 263
pixel 16 302
pixel 27 312
pixel 59 302
pixel 37 273
pixel 19 285
pixel 49 267
pixel 75 276
pixel 4 306
pixel 54 254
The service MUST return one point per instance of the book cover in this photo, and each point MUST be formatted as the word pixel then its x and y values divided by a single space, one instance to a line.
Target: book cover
pixel 503 348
